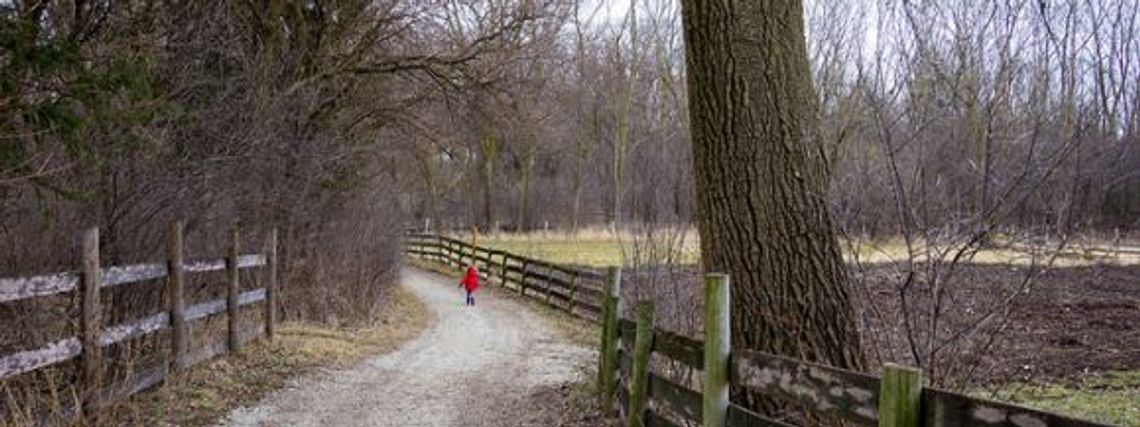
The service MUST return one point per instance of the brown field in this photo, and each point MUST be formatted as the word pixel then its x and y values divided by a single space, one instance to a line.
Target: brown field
pixel 1070 344
pixel 1074 321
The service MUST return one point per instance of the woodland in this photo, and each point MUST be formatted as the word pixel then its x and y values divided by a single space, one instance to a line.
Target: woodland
pixel 952 127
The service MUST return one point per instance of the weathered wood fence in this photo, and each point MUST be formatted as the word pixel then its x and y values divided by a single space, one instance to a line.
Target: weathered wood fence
pixel 576 290
pixel 629 387
pixel 91 278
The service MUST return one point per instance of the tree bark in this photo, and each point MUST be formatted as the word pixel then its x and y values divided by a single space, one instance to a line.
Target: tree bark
pixel 761 181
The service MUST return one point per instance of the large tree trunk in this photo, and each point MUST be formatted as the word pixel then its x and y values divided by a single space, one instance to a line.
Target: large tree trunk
pixel 761 181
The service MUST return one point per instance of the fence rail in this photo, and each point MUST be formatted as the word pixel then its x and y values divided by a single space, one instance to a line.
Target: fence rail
pixel 627 382
pixel 87 345
pixel 575 290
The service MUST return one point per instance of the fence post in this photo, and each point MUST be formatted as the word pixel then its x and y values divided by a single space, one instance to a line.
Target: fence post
pixel 438 250
pixel 717 347
pixel 232 293
pixel 442 250
pixel 177 297
pixel 503 276
pixel 900 393
pixel 90 324
pixel 450 253
pixel 550 288
pixel 522 280
pixel 573 293
pixel 607 363
pixel 639 380
pixel 271 285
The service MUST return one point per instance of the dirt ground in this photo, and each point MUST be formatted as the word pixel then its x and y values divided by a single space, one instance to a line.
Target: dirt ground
pixel 566 405
pixel 1065 324
pixel 1079 320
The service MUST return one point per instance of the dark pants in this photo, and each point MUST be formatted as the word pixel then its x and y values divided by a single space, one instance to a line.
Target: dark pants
pixel 470 298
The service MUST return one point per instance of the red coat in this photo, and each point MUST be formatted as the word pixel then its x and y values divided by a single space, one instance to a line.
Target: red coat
pixel 470 280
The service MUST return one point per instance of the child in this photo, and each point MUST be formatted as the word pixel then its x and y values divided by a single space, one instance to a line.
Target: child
pixel 470 282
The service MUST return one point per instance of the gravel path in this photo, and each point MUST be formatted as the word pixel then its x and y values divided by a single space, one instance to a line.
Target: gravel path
pixel 475 366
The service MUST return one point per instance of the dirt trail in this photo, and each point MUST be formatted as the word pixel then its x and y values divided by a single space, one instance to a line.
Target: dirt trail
pixel 475 366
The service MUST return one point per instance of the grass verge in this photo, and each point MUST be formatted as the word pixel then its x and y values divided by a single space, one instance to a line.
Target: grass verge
pixel 208 392
pixel 594 253
pixel 1112 397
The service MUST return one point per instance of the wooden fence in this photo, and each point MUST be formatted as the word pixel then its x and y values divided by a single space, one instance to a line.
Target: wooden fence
pixel 576 290
pixel 91 279
pixel 629 387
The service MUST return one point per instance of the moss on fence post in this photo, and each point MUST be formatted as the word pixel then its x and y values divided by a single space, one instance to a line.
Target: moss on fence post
pixel 900 394
pixel 714 395
pixel 607 364
pixel 639 381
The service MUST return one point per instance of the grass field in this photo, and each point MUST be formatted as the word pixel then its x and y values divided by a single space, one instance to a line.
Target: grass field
pixel 594 253
pixel 598 248
pixel 1113 397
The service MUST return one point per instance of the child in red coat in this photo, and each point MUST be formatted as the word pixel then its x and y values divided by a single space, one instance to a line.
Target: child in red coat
pixel 470 282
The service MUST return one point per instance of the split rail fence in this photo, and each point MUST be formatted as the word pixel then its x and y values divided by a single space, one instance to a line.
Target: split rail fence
pixel 90 279
pixel 630 388
pixel 575 290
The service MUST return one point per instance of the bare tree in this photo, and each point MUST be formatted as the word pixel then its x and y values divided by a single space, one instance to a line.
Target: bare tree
pixel 762 182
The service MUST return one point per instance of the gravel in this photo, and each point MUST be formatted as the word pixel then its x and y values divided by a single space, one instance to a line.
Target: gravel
pixel 475 366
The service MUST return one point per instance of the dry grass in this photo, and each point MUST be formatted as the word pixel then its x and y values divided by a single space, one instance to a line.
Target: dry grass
pixel 1075 254
pixel 1112 397
pixel 210 391
pixel 593 253
pixel 595 232
pixel 593 247
pixel 600 247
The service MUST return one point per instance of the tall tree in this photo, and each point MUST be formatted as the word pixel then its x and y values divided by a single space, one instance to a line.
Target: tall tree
pixel 761 181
